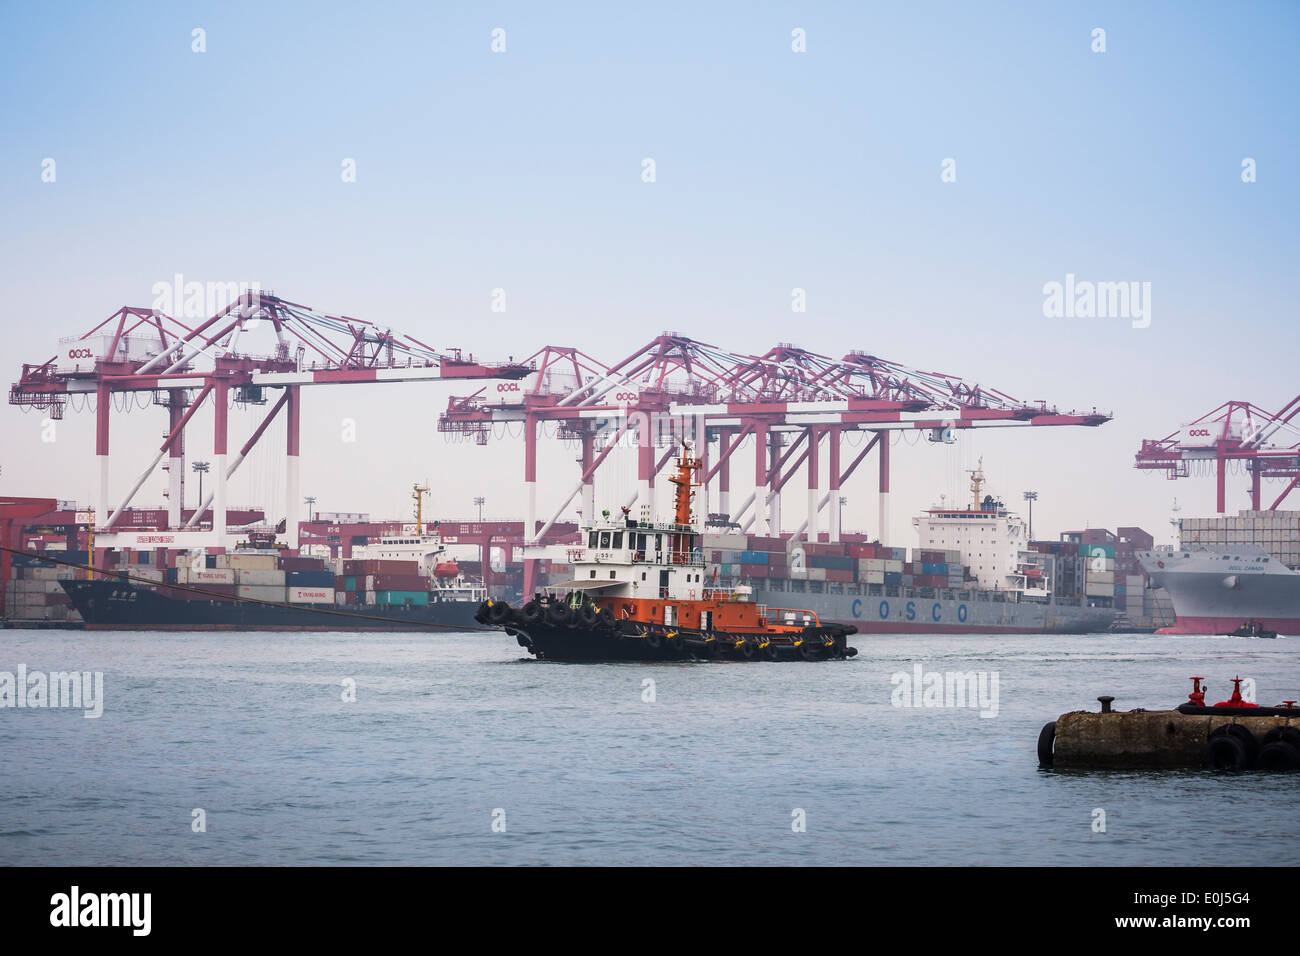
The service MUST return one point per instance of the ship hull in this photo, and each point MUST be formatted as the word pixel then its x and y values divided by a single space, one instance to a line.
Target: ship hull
pixel 112 605
pixel 915 614
pixel 638 641
pixel 1217 592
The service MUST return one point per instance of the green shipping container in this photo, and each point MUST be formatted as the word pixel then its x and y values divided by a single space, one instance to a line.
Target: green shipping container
pixel 350 582
pixel 416 598
pixel 1090 550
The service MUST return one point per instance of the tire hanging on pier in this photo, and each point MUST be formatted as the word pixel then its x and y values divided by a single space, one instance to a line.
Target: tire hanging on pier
pixel 1047 744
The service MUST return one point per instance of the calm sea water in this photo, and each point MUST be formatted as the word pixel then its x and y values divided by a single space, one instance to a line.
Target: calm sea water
pixel 448 730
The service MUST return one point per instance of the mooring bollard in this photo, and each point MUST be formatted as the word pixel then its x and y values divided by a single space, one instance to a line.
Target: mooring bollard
pixel 1105 703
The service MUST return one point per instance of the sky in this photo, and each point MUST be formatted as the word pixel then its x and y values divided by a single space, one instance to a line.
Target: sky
pixel 522 170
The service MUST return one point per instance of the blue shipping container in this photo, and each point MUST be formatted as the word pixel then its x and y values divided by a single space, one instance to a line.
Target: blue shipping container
pixel 310 579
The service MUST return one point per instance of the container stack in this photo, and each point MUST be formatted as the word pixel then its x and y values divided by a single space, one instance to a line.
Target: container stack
pixel 736 558
pixel 380 582
pixel 1277 532
pixel 34 594
pixel 1098 570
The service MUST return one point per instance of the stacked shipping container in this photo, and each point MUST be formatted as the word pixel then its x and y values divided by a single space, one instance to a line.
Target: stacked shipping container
pixel 1277 532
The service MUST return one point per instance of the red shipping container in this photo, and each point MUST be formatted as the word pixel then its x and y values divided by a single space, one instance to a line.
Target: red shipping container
pixel 375 566
pixel 753 571
pixel 844 576
pixel 401 582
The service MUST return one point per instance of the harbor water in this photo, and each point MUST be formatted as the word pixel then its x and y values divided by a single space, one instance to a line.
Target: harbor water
pixel 458 749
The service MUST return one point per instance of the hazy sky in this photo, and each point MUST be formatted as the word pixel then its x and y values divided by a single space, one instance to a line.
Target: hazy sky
pixel 775 170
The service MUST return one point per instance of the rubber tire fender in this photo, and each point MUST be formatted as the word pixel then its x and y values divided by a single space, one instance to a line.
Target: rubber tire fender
pixel 498 613
pixel 531 613
pixel 1279 756
pixel 809 651
pixel 605 618
pixel 587 616
pixel 653 641
pixel 1245 736
pixel 1225 753
pixel 1047 744
pixel 772 653
pixel 746 650
pixel 1289 734
pixel 559 615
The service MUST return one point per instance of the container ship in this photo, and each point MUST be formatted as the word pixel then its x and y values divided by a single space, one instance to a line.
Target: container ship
pixel 403 585
pixel 974 574
pixel 1232 575
pixel 403 580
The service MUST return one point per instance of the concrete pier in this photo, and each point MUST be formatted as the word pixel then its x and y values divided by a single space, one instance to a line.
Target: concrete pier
pixel 1146 738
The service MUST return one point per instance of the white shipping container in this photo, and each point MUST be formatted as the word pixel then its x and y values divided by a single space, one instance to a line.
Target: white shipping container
pixel 253 562
pixel 186 575
pixel 311 595
pixel 52 574
pixel 261 578
pixel 875 577
pixel 258 592
pixel 1100 590
pixel 894 566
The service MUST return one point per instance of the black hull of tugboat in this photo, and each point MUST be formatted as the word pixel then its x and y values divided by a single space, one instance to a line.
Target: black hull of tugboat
pixel 611 641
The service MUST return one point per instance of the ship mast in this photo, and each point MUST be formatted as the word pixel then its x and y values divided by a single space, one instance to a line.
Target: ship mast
pixel 418 492
pixel 977 482
pixel 687 465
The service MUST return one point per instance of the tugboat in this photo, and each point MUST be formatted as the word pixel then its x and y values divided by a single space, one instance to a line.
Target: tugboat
pixel 639 594
pixel 1252 628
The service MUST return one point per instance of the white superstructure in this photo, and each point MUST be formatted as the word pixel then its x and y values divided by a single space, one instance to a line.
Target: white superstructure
pixel 993 541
